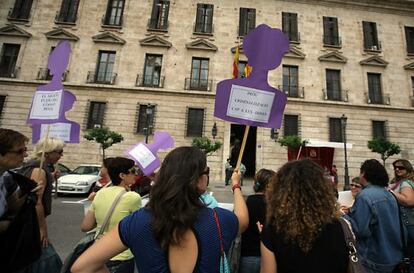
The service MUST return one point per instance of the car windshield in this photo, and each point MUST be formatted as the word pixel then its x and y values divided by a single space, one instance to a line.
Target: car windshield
pixel 86 170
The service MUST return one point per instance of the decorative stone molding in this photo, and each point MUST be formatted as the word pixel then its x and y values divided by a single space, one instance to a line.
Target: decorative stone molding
pixel 409 66
pixel 155 41
pixel 13 30
pixel 295 52
pixel 108 37
pixel 333 56
pixel 61 34
pixel 201 44
pixel 374 61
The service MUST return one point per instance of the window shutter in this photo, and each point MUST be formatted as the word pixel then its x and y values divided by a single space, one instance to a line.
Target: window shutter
pixel 294 26
pixel 378 129
pixel 326 33
pixel 285 23
pixel 252 20
pixel 166 7
pixel 409 36
pixel 73 10
pixel 290 125
pixel 210 9
pixel 367 36
pixel 2 102
pixel 199 18
pixel 27 6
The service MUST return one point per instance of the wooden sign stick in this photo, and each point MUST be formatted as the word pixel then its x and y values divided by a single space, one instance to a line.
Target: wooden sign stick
pixel 246 133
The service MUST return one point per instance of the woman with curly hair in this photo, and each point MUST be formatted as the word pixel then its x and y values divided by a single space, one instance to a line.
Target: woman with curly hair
pixel 176 231
pixel 302 231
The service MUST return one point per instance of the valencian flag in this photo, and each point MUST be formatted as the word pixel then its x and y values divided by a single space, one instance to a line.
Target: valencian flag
pixel 236 64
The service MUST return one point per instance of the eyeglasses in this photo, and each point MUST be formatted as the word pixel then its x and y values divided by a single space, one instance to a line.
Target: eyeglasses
pixel 207 172
pixel 356 185
pixel 133 170
pixel 401 168
pixel 19 151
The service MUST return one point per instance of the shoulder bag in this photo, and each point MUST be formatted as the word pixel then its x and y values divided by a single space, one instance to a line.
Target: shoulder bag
pixel 354 264
pixel 224 265
pixel 89 238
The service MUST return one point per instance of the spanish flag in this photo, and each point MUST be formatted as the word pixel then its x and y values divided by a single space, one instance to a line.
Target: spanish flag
pixel 236 64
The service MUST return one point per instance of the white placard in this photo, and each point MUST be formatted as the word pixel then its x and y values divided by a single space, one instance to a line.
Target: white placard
pixel 345 198
pixel 143 155
pixel 57 130
pixel 46 105
pixel 250 104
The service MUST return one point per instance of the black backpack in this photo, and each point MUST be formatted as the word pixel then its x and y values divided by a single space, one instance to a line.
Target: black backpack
pixel 20 243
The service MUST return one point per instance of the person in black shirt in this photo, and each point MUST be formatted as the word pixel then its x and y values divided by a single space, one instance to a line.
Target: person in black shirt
pixel 256 205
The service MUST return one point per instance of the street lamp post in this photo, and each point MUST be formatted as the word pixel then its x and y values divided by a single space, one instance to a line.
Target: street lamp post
pixel 214 131
pixel 343 123
pixel 149 112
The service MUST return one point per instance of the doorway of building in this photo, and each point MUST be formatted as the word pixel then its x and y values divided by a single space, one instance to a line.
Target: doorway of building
pixel 249 155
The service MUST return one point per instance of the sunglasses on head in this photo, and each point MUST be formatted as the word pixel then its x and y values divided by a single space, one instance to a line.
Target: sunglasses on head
pixel 207 171
pixel 355 185
pixel 19 151
pixel 401 168
pixel 133 170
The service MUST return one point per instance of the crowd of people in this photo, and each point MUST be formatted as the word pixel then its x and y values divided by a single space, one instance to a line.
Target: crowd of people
pixel 292 222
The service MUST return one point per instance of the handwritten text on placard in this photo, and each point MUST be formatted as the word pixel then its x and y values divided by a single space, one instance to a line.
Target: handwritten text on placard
pixel 46 105
pixel 143 155
pixel 249 103
pixel 57 130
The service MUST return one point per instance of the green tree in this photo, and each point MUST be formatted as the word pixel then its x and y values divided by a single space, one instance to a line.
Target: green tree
pixel 105 137
pixel 293 141
pixel 383 147
pixel 206 145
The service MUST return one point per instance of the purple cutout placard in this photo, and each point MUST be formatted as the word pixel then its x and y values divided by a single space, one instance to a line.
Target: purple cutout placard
pixel 51 102
pixel 252 101
pixel 145 155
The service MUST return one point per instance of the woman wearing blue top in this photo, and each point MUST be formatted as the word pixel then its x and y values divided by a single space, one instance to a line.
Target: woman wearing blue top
pixel 175 232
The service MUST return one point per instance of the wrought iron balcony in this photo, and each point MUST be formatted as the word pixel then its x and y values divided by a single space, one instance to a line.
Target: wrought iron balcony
pixel 197 84
pixel 15 14
pixel 157 24
pixel 9 73
pixel 334 41
pixel 201 28
pixel 293 91
pixel 378 99
pixel 105 22
pixel 102 78
pixel 149 81
pixel 341 96
pixel 44 75
pixel 62 18
pixel 375 48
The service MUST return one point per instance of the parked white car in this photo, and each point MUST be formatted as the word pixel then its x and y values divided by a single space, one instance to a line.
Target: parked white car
pixel 80 181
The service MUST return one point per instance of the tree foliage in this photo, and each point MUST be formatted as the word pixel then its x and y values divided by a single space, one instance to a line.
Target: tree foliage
pixel 105 137
pixel 292 141
pixel 383 147
pixel 206 145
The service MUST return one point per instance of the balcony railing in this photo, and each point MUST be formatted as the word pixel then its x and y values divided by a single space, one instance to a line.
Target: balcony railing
pixel 44 75
pixel 156 24
pixel 149 81
pixel 61 17
pixel 197 84
pixel 293 91
pixel 105 22
pixel 343 95
pixel 331 40
pixel 378 99
pixel 102 78
pixel 15 15
pixel 10 73
pixel 376 47
pixel 200 28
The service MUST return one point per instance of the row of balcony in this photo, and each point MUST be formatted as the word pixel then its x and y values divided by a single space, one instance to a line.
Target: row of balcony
pixel 156 81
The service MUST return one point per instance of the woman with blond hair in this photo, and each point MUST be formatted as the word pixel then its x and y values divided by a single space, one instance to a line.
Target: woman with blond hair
pixel 51 149
pixel 302 231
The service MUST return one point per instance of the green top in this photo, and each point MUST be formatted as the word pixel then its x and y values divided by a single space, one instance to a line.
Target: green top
pixel 130 202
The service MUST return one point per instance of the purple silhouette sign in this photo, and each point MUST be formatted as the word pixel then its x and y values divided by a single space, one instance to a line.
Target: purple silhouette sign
pixel 51 102
pixel 145 155
pixel 252 101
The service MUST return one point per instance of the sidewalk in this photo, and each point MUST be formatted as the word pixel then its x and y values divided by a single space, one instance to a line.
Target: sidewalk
pixel 223 194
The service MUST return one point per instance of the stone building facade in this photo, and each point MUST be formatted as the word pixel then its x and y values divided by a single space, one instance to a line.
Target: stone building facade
pixel 155 64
